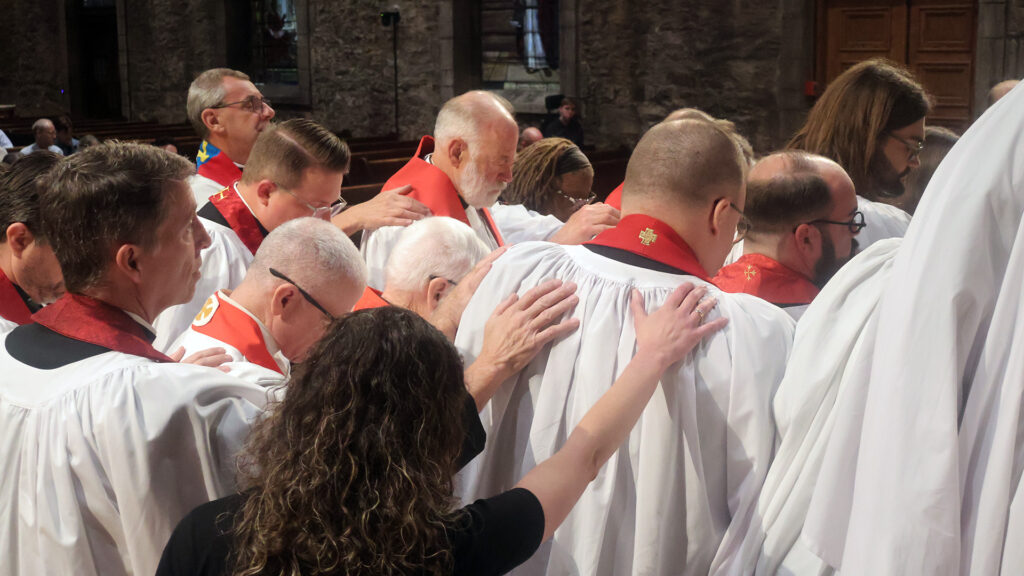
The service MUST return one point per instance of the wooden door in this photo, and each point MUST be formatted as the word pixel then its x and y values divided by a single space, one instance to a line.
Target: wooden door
pixel 935 39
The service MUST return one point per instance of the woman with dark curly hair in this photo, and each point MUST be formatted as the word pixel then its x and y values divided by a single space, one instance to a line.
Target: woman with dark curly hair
pixel 551 177
pixel 352 472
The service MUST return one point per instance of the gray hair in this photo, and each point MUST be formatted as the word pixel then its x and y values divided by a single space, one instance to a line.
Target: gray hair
pixel 313 252
pixel 206 91
pixel 438 246
pixel 463 117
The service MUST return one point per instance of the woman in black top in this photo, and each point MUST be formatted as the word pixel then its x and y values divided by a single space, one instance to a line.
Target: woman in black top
pixel 352 472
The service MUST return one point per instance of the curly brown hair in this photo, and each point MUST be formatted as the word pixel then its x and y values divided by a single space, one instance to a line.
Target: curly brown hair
pixel 352 472
pixel 538 170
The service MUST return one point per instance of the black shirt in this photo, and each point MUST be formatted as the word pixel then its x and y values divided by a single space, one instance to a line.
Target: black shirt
pixel 492 537
pixel 572 131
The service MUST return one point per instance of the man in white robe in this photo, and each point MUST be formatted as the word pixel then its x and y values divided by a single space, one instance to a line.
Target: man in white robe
pixel 106 443
pixel 676 496
pixel 305 274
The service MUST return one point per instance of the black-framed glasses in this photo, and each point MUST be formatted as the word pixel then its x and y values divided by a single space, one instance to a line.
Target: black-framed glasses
pixel 253 103
pixel 578 203
pixel 855 224
pixel 743 226
pixel 305 294
pixel 914 147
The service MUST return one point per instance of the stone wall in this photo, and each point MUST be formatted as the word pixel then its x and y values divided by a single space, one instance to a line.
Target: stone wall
pixel 1000 51
pixel 33 66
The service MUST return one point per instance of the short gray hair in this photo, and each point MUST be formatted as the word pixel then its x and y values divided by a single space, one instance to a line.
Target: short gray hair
pixel 206 91
pixel 464 116
pixel 438 246
pixel 313 252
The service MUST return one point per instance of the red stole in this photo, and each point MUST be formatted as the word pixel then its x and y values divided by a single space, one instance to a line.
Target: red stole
pixel 653 239
pixel 221 320
pixel 215 165
pixel 767 279
pixel 90 320
pixel 370 299
pixel 615 198
pixel 12 307
pixel 434 189
pixel 239 217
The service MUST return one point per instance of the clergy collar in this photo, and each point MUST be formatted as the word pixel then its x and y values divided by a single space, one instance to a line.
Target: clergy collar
pixel 429 159
pixel 651 239
pixel 31 304
pixel 151 331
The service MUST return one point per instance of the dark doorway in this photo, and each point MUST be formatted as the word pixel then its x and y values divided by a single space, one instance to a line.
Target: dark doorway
pixel 95 77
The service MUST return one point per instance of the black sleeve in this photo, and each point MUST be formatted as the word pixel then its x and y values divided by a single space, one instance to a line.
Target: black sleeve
pixel 474 437
pixel 495 535
pixel 201 543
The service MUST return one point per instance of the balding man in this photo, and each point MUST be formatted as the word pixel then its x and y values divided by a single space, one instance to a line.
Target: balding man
pixel 1001 89
pixel 45 138
pixel 29 273
pixel 530 136
pixel 801 221
pixel 305 274
pixel 672 498
pixel 228 112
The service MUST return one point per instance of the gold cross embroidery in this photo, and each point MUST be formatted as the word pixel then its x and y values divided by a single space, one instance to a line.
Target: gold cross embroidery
pixel 222 194
pixel 648 237
pixel 750 272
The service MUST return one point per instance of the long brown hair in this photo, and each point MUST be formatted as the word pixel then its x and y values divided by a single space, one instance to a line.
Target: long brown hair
pixel 352 472
pixel 857 108
pixel 538 170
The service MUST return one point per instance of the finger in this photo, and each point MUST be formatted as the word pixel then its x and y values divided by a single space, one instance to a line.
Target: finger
pixel 553 313
pixel 557 330
pixel 392 221
pixel 400 190
pixel 504 304
pixel 677 296
pixel 418 207
pixel 213 361
pixel 533 294
pixel 178 354
pixel 705 330
pixel 636 304
pixel 476 275
pixel 550 299
pixel 614 212
pixel 693 300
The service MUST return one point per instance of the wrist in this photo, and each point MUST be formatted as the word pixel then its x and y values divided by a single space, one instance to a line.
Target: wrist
pixel 654 357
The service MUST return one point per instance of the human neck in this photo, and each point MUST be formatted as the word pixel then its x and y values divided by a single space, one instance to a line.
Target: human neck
pixel 249 195
pixel 124 298
pixel 779 249
pixel 252 299
pixel 443 163
pixel 688 224
pixel 404 299
pixel 234 152
pixel 5 262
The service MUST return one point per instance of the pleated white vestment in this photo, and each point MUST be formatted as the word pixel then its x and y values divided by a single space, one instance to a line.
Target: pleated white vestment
pixel 938 471
pixel 677 494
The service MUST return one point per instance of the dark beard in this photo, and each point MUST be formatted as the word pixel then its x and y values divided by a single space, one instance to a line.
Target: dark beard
pixel 885 181
pixel 830 263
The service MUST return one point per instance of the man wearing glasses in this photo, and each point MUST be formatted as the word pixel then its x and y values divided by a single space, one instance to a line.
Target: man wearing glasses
pixel 305 274
pixel 800 221
pixel 871 121
pixel 295 170
pixel 228 112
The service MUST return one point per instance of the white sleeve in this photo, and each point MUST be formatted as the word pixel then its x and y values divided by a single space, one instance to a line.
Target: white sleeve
pixel 517 224
pixel 5 142
pixel 376 247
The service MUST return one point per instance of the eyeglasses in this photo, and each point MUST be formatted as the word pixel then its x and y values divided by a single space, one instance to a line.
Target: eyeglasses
pixel 914 147
pixel 743 226
pixel 452 282
pixel 305 294
pixel 577 203
pixel 253 103
pixel 855 224
pixel 322 212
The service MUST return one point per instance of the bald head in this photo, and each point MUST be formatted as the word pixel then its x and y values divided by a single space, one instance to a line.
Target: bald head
pixel 473 115
pixel 1000 90
pixel 529 137
pixel 786 189
pixel 691 161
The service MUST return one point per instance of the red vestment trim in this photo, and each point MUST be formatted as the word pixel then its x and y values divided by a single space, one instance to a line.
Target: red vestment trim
pixel 221 320
pixel 218 167
pixel 434 189
pixel 653 239
pixel 90 320
pixel 370 299
pixel 12 307
pixel 767 279
pixel 239 217
pixel 615 198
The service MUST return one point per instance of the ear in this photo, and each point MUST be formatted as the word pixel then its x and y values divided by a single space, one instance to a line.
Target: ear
pixel 126 261
pixel 19 237
pixel 808 242
pixel 263 190
pixel 282 301
pixel 212 121
pixel 457 151
pixel 718 216
pixel 436 290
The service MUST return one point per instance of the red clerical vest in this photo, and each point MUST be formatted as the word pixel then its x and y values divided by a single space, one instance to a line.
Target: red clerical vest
pixel 767 279
pixel 615 198
pixel 238 217
pixel 370 299
pixel 215 165
pixel 653 239
pixel 12 307
pixel 96 322
pixel 434 189
pixel 221 320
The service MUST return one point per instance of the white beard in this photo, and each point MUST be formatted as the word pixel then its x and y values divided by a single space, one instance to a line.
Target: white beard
pixel 476 190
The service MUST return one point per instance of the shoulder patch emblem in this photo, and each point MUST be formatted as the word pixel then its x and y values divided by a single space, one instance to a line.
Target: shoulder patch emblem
pixel 206 314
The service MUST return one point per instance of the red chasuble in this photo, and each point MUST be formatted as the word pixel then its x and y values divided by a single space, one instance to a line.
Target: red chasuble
pixel 221 320
pixel 653 239
pixel 615 198
pixel 12 307
pixel 214 164
pixel 433 188
pixel 238 217
pixel 767 279
pixel 90 320
pixel 370 299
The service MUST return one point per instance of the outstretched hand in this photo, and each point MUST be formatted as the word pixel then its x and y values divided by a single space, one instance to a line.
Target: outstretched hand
pixel 388 208
pixel 586 223
pixel 669 333
pixel 211 358
pixel 449 311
